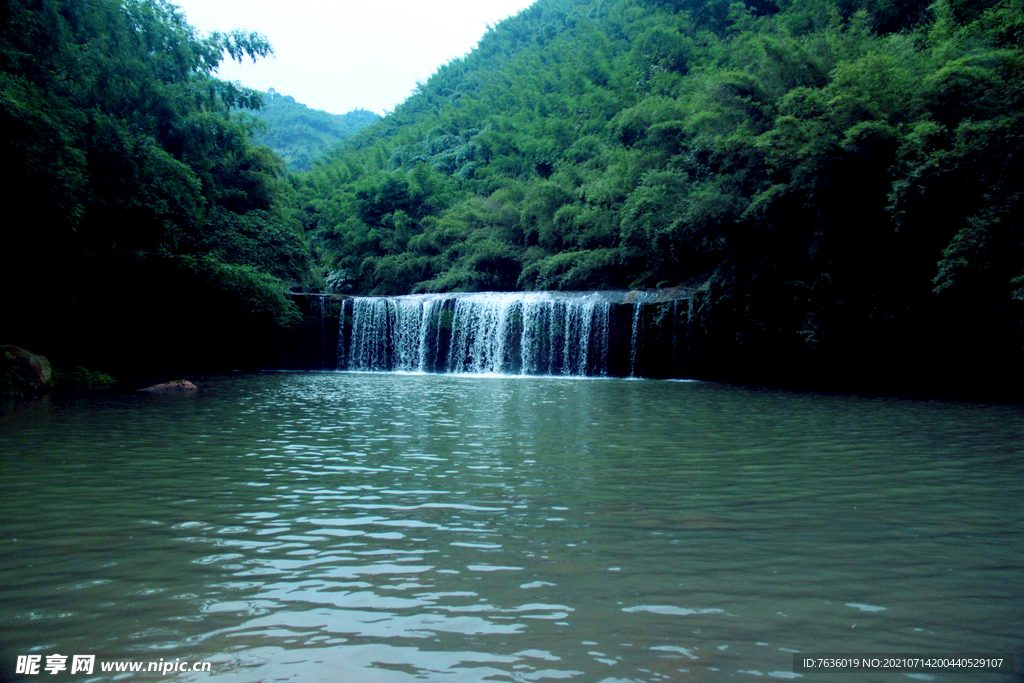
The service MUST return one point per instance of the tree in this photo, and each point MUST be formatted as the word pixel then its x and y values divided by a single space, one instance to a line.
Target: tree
pixel 126 153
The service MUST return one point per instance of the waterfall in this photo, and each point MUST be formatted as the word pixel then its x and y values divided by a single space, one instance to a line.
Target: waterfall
pixel 323 329
pixel 635 336
pixel 576 334
pixel 532 333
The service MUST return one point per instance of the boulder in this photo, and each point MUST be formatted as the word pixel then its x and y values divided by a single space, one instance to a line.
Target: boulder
pixel 178 385
pixel 32 371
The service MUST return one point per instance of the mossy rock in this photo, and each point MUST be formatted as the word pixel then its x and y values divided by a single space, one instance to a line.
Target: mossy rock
pixel 23 372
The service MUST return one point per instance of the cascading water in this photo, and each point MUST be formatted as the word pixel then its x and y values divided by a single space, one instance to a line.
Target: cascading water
pixel 534 333
pixel 635 336
pixel 322 305
pixel 517 333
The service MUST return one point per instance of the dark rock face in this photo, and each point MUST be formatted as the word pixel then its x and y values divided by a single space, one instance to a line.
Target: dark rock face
pixel 31 370
pixel 313 343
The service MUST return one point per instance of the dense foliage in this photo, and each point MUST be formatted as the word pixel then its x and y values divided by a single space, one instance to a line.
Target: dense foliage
pixel 144 206
pixel 301 135
pixel 838 181
pixel 842 180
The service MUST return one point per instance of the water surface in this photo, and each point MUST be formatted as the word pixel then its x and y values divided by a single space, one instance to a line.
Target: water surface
pixel 398 528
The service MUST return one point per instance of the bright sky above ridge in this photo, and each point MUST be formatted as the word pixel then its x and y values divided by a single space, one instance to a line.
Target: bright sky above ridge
pixel 348 54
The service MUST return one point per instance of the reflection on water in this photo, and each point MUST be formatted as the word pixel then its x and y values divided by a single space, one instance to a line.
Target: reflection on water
pixel 392 528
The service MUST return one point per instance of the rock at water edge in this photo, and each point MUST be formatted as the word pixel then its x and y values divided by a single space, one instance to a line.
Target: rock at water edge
pixel 171 387
pixel 31 367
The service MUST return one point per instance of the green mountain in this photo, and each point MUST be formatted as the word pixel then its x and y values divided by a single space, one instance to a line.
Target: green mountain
pixel 840 179
pixel 301 135
pixel 839 182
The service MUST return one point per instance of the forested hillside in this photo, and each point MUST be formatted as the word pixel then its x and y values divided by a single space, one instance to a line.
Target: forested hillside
pixel 144 226
pixel 839 183
pixel 301 135
pixel 841 180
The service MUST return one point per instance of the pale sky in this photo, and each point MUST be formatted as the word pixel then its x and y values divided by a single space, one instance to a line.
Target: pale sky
pixel 345 55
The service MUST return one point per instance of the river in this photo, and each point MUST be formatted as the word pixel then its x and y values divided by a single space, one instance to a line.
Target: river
pixel 390 528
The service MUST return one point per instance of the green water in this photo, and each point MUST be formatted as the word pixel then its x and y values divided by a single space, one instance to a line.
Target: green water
pixel 398 528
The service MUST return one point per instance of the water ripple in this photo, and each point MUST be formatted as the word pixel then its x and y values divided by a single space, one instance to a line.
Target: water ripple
pixel 407 528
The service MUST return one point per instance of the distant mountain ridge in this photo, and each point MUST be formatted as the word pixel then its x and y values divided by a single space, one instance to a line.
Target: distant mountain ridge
pixel 301 135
